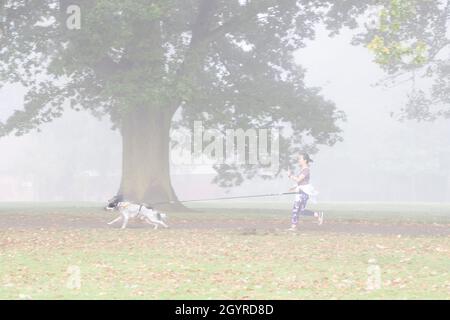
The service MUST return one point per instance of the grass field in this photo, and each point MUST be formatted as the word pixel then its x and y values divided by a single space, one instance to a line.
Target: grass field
pixel 237 250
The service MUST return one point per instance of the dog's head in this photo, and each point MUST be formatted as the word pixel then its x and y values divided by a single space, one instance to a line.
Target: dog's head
pixel 114 202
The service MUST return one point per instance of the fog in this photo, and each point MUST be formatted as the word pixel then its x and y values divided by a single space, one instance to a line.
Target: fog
pixel 78 157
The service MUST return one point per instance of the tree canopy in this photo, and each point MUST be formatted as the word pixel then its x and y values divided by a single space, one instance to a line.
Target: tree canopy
pixel 411 40
pixel 226 63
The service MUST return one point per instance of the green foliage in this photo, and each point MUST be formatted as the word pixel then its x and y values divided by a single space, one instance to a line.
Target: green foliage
pixel 412 36
pixel 387 46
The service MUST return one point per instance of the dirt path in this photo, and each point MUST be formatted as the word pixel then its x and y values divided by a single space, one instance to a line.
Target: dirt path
pixel 244 226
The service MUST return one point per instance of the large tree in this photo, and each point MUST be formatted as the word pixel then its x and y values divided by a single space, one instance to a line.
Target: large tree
pixel 227 63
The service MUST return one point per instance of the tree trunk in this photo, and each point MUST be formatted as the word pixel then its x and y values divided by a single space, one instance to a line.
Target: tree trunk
pixel 145 160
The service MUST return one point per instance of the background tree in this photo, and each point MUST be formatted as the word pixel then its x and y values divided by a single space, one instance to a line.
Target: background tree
pixel 411 41
pixel 227 63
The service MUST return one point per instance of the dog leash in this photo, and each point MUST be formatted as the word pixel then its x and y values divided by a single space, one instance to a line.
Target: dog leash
pixel 140 209
pixel 228 198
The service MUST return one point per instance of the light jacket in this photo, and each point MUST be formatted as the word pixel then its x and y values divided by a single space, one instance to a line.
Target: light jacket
pixel 309 190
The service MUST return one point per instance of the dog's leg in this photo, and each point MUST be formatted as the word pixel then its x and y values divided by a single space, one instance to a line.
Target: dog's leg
pixel 155 226
pixel 157 223
pixel 163 224
pixel 125 222
pixel 115 220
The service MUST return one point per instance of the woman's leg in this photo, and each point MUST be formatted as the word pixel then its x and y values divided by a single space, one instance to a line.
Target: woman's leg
pixel 309 213
pixel 303 211
pixel 299 206
pixel 299 209
pixel 295 213
pixel 304 200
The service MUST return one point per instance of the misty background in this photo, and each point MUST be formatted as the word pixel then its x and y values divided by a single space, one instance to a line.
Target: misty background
pixel 78 157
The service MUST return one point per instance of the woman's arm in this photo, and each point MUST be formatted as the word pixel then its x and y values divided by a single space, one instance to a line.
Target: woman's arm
pixel 298 179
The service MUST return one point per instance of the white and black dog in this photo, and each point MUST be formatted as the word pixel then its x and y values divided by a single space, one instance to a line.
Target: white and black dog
pixel 130 210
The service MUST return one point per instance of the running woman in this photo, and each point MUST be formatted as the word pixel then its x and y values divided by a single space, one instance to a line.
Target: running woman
pixel 305 190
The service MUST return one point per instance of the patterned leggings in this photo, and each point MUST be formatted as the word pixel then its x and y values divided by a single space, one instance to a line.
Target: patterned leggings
pixel 299 208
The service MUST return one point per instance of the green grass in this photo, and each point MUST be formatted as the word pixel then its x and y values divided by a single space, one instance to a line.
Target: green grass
pixel 361 211
pixel 224 264
pixel 263 209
